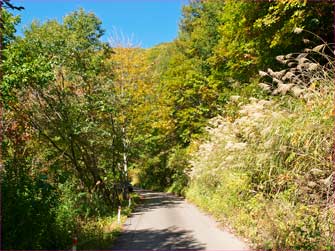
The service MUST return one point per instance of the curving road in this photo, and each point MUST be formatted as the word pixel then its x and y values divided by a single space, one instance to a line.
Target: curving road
pixel 167 222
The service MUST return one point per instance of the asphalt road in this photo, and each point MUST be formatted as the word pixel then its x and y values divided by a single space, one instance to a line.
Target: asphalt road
pixel 167 222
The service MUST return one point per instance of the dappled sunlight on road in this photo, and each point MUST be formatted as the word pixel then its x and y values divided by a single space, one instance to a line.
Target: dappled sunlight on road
pixel 167 222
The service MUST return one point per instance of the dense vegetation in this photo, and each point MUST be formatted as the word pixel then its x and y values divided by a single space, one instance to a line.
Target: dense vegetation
pixel 236 114
pixel 63 144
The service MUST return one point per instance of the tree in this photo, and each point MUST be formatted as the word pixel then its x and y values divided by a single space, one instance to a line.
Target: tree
pixel 143 113
pixel 252 34
pixel 7 30
pixel 196 95
pixel 60 121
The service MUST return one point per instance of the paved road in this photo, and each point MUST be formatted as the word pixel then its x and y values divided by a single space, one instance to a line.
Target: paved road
pixel 166 222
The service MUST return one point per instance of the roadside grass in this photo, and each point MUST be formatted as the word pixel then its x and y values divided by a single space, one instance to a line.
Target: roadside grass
pixel 101 232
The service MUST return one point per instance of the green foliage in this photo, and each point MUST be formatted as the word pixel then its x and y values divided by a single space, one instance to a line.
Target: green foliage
pixel 154 175
pixel 30 205
pixel 253 33
pixel 195 95
pixel 199 31
pixel 178 163
pixel 8 22
pixel 85 28
pixel 67 94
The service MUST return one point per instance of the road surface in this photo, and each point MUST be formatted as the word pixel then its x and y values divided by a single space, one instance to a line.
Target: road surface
pixel 167 222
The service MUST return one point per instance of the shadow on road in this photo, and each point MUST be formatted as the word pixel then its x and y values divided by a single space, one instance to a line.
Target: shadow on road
pixel 153 200
pixel 171 238
pixel 165 239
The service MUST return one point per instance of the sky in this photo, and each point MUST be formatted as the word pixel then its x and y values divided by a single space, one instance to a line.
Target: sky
pixel 145 22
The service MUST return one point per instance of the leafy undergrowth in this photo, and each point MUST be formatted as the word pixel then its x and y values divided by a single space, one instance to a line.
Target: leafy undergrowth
pixel 268 173
pixel 100 233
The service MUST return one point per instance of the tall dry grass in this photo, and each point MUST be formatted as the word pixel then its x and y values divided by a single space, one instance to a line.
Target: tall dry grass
pixel 269 173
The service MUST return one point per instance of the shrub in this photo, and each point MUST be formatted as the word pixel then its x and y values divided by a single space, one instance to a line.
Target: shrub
pixel 179 166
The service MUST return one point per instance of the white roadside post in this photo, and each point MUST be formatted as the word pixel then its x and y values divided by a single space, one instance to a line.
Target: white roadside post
pixel 119 215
